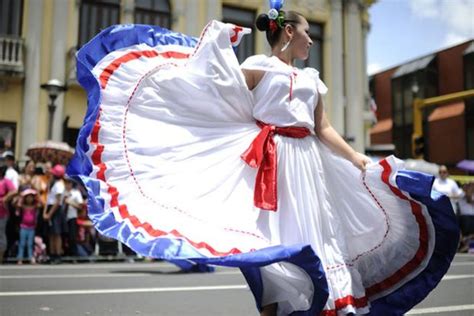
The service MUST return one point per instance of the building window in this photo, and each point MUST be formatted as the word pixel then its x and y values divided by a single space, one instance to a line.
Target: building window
pixel 70 134
pixel 10 17
pixel 96 15
pixel 7 136
pixel 315 59
pixel 469 71
pixel 245 18
pixel 402 105
pixel 154 12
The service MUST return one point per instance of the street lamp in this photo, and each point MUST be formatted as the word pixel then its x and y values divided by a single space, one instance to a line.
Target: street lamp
pixel 53 87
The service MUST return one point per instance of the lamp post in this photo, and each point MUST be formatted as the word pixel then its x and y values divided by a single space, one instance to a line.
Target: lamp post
pixel 417 138
pixel 53 87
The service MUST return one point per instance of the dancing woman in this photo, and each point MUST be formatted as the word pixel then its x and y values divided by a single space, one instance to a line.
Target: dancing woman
pixel 187 155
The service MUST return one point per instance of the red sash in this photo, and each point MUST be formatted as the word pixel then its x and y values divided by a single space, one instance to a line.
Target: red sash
pixel 261 154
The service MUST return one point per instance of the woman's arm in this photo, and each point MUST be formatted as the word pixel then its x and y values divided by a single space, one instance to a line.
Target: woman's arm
pixel 328 135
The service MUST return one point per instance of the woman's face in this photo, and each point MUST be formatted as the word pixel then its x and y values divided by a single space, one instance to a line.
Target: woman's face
pixel 301 42
pixel 29 199
pixel 30 167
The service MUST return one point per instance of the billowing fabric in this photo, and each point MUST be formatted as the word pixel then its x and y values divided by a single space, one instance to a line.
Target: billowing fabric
pixel 160 155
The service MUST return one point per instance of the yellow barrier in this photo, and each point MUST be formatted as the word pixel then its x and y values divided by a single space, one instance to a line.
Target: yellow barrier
pixel 462 179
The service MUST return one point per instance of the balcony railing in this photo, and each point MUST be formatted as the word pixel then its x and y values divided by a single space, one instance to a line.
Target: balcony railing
pixel 11 55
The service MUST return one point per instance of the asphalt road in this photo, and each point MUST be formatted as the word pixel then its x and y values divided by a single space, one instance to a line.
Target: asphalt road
pixel 158 288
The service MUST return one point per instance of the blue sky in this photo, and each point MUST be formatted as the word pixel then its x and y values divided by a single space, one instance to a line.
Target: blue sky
pixel 402 30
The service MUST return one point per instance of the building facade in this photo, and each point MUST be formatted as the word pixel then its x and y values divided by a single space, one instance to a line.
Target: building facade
pixel 39 40
pixel 448 128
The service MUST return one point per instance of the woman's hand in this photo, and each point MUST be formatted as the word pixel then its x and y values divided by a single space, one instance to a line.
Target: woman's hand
pixel 46 216
pixel 360 161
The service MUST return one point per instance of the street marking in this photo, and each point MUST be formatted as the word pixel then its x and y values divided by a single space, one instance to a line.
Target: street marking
pixel 464 255
pixel 457 277
pixel 466 263
pixel 124 291
pixel 144 274
pixel 99 275
pixel 73 276
pixel 94 266
pixel 456 308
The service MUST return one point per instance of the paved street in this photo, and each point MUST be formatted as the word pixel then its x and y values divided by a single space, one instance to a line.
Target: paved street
pixel 159 289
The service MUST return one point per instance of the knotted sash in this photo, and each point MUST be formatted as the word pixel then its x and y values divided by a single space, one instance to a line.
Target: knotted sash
pixel 262 154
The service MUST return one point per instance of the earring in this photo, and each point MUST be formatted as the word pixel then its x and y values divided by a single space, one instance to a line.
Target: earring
pixel 285 46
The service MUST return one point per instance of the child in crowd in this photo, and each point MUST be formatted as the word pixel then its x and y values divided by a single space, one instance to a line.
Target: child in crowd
pixel 27 210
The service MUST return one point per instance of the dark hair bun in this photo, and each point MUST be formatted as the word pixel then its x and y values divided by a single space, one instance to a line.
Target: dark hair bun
pixel 263 22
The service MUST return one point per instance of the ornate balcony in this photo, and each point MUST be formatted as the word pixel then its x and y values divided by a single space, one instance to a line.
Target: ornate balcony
pixel 11 56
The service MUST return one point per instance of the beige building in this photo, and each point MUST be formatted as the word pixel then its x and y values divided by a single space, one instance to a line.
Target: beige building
pixel 39 39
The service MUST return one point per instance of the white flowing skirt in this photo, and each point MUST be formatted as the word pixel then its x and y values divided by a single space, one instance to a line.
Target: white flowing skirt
pixel 159 153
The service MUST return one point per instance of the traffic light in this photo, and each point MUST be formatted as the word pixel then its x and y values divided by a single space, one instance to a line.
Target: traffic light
pixel 418 146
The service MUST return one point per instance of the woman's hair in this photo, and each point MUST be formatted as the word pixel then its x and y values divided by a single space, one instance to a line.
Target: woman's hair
pixel 3 171
pixel 263 24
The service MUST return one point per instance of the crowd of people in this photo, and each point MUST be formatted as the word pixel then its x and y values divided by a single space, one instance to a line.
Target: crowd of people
pixel 43 214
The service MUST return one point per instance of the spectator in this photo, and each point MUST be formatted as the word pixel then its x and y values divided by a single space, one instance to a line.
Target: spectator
pixel 41 182
pixel 7 191
pixel 28 208
pixel 466 218
pixel 72 202
pixel 447 186
pixel 54 215
pixel 11 173
pixel 42 179
pixel 30 179
pixel 87 234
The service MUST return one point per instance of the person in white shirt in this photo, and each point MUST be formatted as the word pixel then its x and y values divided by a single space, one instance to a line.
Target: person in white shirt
pixel 11 173
pixel 72 202
pixel 448 187
pixel 53 213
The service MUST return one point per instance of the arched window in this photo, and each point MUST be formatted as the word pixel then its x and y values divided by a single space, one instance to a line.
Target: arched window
pixel 154 12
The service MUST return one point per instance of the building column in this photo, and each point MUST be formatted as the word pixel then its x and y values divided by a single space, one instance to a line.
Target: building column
pixel 31 92
pixel 354 75
pixel 214 10
pixel 58 61
pixel 336 83
pixel 369 116
pixel 128 11
pixel 192 20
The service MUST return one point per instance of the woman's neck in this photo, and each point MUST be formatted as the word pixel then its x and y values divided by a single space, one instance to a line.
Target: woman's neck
pixel 283 57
